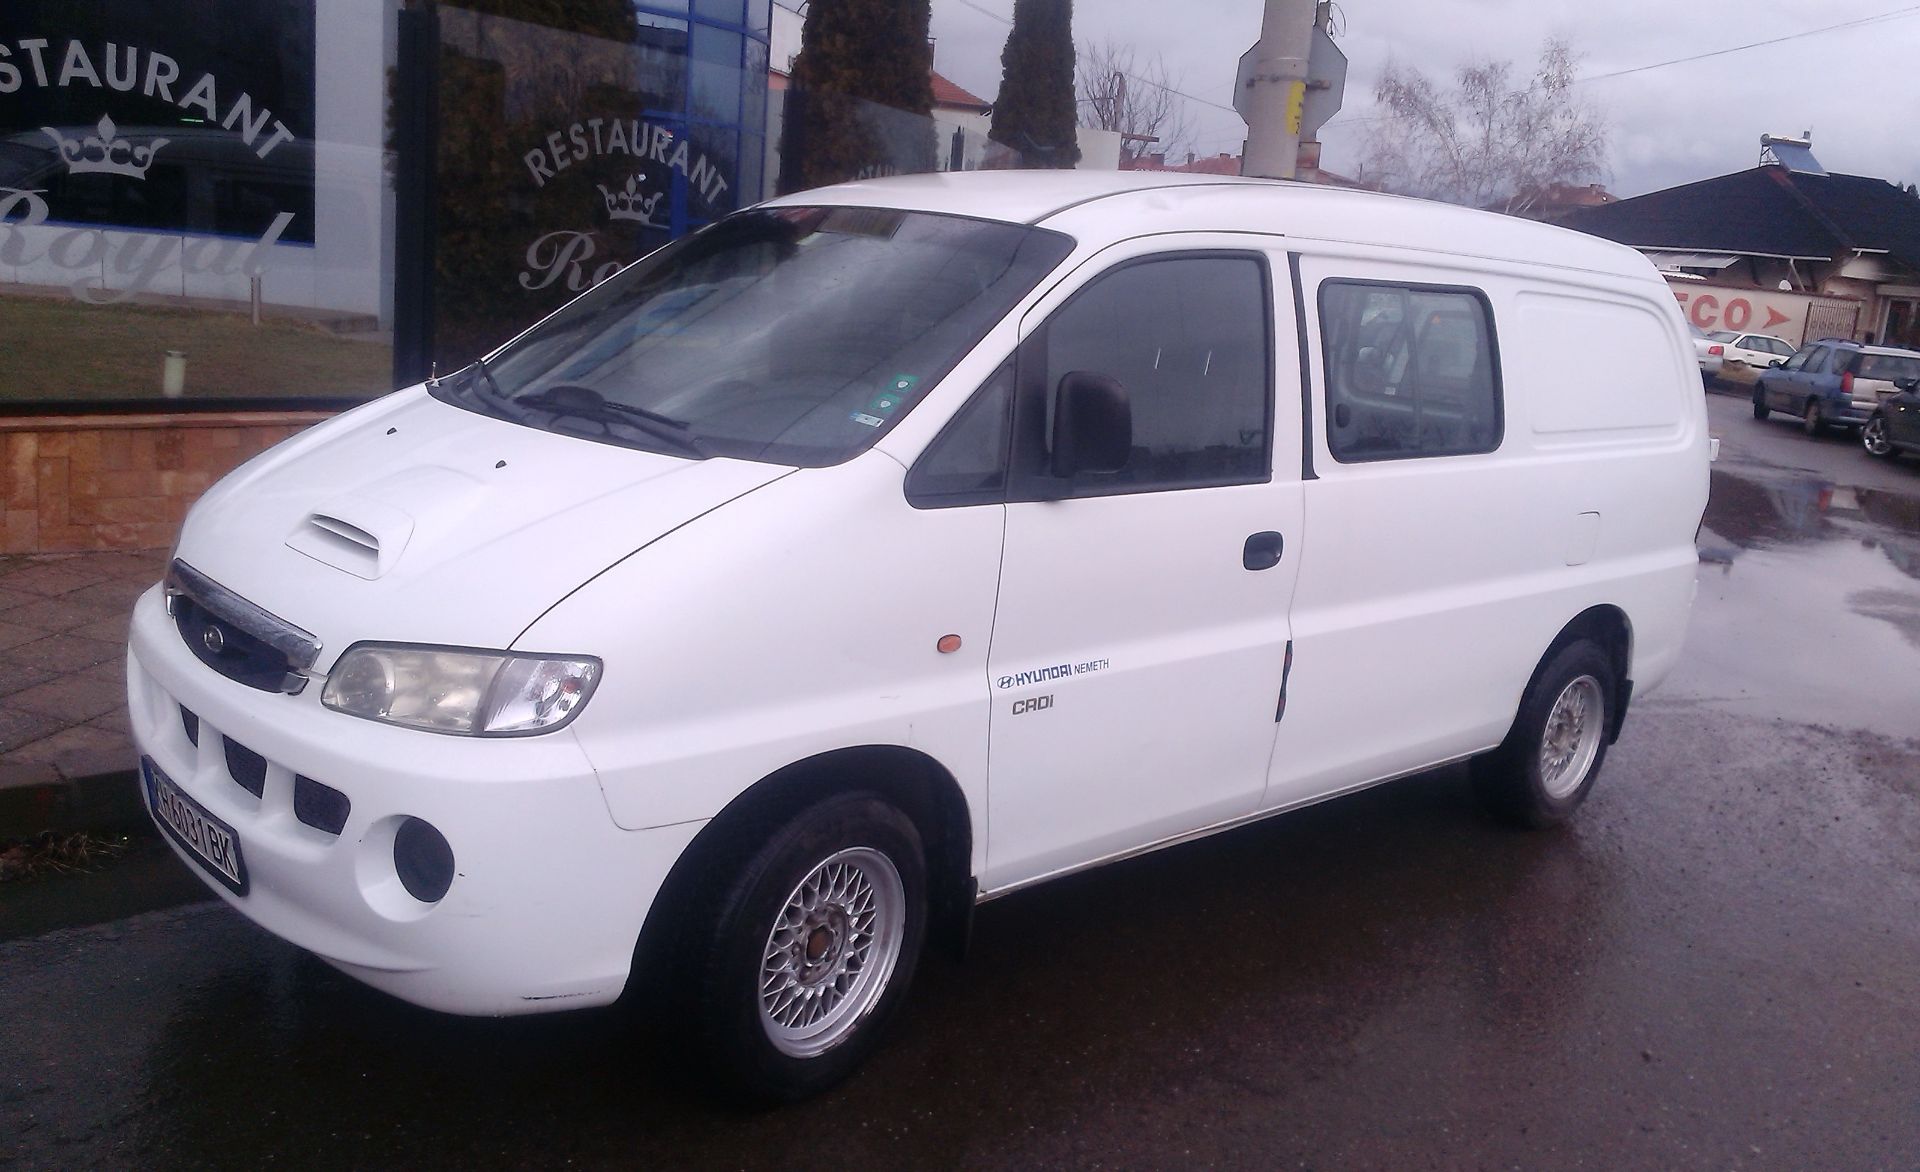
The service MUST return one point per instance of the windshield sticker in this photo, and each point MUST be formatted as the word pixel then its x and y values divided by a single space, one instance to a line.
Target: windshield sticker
pixel 865 420
pixel 901 386
pixel 1058 671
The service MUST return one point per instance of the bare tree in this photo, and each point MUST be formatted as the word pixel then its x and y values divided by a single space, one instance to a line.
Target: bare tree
pixel 1486 142
pixel 1120 91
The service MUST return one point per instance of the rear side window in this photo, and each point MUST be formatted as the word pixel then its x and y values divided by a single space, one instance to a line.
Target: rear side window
pixel 1887 366
pixel 1411 371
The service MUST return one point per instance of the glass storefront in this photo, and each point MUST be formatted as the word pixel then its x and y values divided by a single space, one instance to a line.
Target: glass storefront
pixel 227 202
pixel 166 168
pixel 564 153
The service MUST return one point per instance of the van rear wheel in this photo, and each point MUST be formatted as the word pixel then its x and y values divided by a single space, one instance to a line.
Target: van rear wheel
pixel 811 951
pixel 1541 773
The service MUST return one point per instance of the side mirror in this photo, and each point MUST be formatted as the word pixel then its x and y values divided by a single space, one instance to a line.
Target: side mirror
pixel 1092 425
pixel 1778 362
pixel 1909 385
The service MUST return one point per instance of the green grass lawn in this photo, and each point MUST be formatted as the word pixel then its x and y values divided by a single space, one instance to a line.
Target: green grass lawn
pixel 64 350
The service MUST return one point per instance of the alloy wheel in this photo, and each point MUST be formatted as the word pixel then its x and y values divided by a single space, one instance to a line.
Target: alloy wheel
pixel 1572 736
pixel 831 950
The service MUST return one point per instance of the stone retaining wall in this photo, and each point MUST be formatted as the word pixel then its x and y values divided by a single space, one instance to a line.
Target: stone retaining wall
pixel 121 481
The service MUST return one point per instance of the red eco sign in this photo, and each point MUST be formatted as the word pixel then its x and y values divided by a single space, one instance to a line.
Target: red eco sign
pixel 1706 311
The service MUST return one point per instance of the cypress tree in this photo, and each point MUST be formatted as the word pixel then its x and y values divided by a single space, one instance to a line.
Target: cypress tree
pixel 862 90
pixel 1034 114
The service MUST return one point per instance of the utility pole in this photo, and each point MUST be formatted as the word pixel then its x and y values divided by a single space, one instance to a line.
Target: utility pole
pixel 1276 89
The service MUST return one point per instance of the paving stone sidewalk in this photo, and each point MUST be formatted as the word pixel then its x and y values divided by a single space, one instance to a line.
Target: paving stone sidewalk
pixel 63 634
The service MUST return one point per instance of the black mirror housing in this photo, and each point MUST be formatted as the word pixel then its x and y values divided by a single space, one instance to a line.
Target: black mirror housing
pixel 1092 425
pixel 1909 385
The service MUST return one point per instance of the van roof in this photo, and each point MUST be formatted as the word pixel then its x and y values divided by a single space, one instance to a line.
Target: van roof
pixel 1099 207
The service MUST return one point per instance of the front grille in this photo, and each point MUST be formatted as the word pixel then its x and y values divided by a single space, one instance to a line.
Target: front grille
pixel 247 767
pixel 236 638
pixel 320 805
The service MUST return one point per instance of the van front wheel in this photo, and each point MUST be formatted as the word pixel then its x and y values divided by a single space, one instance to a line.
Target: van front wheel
pixel 1541 773
pixel 812 950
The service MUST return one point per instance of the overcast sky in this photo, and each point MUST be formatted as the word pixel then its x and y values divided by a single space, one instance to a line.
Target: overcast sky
pixel 1857 89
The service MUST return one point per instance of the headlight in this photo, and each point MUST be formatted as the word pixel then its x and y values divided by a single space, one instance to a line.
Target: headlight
pixel 468 693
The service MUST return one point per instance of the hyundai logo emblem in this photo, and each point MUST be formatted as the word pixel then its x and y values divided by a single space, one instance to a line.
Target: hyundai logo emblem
pixel 213 639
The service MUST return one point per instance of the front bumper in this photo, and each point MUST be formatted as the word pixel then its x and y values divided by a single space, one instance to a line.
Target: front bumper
pixel 548 895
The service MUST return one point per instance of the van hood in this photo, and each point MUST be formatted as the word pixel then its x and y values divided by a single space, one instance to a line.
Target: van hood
pixel 411 520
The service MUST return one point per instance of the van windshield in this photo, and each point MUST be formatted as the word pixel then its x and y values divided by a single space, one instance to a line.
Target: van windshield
pixel 794 335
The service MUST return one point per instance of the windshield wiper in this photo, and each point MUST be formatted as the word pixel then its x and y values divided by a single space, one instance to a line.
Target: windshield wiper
pixel 480 364
pixel 586 403
pixel 488 398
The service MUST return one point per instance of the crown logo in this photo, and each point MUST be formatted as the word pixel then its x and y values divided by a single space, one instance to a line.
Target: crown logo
pixel 105 152
pixel 628 203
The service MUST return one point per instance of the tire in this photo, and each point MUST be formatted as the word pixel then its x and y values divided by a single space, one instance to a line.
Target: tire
pixel 840 981
pixel 1873 437
pixel 1760 409
pixel 1810 421
pixel 1541 773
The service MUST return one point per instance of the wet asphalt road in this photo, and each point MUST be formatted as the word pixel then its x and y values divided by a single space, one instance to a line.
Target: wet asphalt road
pixel 1717 965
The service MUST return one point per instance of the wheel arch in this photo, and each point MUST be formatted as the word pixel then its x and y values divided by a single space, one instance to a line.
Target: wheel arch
pixel 1608 626
pixel 914 782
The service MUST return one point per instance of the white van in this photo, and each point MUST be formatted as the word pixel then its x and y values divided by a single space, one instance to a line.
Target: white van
pixel 892 547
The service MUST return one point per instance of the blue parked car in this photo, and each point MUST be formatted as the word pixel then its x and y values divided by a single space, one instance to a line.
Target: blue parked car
pixel 1833 381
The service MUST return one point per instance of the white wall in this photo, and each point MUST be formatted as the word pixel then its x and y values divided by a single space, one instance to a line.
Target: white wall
pixel 783 39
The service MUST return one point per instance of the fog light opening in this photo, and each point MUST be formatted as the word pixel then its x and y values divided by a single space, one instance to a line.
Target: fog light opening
pixel 423 860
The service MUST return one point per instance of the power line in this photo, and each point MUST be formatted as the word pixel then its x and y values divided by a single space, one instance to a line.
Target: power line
pixel 1163 85
pixel 1896 14
pixel 984 11
pixel 1812 32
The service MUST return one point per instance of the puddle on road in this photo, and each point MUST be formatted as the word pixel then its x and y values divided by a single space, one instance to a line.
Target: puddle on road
pixel 1809 604
pixel 1761 512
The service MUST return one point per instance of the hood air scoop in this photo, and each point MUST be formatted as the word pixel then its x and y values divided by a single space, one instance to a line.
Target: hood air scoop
pixel 366 531
pixel 363 538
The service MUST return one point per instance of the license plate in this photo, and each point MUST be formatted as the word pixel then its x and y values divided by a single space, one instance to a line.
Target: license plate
pixel 210 841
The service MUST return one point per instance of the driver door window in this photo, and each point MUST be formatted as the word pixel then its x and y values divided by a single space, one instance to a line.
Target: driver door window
pixel 1188 339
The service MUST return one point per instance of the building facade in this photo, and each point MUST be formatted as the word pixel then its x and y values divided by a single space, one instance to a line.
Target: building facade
pixel 1784 248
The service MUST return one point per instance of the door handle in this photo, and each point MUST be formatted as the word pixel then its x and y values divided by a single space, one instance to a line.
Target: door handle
pixel 1262 551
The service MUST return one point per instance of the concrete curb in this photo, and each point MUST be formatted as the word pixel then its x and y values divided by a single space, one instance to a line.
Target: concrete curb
pixel 96 802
